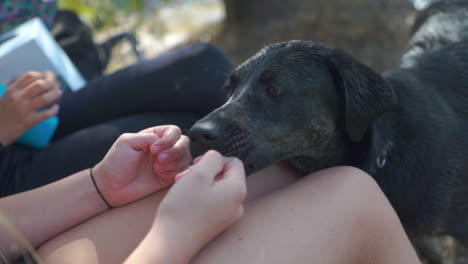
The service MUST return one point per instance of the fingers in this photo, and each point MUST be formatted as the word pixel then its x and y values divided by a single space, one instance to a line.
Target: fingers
pixel 158 130
pixel 136 141
pixel 35 89
pixel 168 134
pixel 233 181
pixel 209 166
pixel 37 117
pixel 44 99
pixel 30 77
pixel 172 175
pixel 168 137
pixel 181 174
pixel 232 169
pixel 51 78
pixel 197 159
pixel 174 166
pixel 176 158
pixel 24 80
pixel 178 150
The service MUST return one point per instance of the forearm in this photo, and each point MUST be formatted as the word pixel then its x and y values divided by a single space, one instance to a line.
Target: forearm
pixel 45 212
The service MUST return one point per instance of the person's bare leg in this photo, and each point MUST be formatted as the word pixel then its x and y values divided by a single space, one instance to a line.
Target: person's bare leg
pixel 112 236
pixel 333 216
pixel 337 215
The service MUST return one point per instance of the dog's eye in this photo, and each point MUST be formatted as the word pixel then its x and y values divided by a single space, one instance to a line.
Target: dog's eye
pixel 228 87
pixel 231 84
pixel 267 79
pixel 272 92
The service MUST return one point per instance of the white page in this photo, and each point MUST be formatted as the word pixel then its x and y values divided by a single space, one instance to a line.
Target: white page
pixel 34 49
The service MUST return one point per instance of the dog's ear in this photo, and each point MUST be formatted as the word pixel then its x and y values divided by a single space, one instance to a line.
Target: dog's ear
pixel 365 93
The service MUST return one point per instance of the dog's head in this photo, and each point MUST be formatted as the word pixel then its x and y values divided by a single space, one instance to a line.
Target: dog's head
pixel 293 99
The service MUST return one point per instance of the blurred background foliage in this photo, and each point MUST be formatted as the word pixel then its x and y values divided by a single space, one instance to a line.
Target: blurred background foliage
pixel 375 31
pixel 104 13
pixel 159 25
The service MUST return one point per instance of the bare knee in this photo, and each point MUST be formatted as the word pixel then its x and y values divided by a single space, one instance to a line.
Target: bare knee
pixel 346 181
pixel 338 207
pixel 353 186
pixel 362 204
pixel 367 215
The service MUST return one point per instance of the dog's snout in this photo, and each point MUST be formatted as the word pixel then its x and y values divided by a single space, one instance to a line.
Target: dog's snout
pixel 203 133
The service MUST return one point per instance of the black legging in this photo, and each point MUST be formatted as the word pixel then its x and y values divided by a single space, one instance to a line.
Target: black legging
pixel 177 88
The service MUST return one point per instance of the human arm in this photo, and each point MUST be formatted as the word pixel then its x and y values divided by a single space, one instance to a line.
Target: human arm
pixel 45 212
pixel 205 200
pixel 20 104
pixel 131 170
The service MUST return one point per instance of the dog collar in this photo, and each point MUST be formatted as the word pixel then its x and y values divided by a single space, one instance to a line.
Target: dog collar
pixel 382 143
pixel 381 160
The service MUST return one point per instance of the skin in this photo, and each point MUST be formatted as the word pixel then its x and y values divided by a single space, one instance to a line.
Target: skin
pixel 24 97
pixel 216 186
pixel 134 168
pixel 150 161
pixel 338 215
pixel 135 161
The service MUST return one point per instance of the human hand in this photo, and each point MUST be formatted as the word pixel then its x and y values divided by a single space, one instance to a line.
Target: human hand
pixel 141 163
pixel 204 201
pixel 20 104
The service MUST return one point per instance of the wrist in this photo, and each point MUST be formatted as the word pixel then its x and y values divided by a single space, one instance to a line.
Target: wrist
pixel 103 184
pixel 103 198
pixel 91 195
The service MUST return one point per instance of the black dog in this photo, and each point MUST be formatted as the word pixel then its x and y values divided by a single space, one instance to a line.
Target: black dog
pixel 316 107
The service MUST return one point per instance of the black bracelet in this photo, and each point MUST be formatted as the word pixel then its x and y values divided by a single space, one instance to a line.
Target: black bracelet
pixel 97 189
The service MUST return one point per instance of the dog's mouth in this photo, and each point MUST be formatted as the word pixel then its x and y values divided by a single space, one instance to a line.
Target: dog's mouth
pixel 235 142
pixel 253 154
pixel 237 145
pixel 232 141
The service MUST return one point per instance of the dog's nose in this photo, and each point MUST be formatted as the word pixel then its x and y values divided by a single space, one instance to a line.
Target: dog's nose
pixel 203 133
